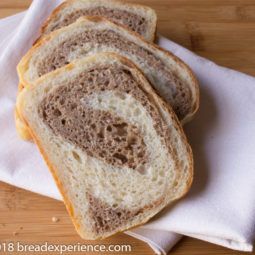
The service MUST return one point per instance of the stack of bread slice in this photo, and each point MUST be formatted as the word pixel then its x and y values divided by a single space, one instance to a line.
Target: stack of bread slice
pixel 105 106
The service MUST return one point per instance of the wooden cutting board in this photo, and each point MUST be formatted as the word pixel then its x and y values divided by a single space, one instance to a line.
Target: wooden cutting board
pixel 221 30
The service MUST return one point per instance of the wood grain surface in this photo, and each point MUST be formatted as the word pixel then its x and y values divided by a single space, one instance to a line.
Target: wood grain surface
pixel 220 30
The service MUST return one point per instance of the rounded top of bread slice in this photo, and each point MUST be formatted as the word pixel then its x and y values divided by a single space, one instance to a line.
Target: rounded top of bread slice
pixel 138 18
pixel 105 100
pixel 172 79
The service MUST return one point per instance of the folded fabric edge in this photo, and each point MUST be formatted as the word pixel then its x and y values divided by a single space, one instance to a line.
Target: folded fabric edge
pixel 234 244
pixel 12 17
pixel 226 242
pixel 166 243
pixel 32 189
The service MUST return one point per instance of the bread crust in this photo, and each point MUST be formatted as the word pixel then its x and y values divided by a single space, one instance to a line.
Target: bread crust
pixel 148 89
pixel 21 128
pixel 64 4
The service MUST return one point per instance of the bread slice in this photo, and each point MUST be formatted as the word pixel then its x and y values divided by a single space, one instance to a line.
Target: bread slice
pixel 116 150
pixel 138 18
pixel 171 78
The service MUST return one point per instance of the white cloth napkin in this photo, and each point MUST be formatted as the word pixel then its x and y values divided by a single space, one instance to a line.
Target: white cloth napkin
pixel 220 207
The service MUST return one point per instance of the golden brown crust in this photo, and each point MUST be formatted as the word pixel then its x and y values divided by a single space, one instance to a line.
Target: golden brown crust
pixel 61 6
pixel 20 87
pixel 21 127
pixel 146 86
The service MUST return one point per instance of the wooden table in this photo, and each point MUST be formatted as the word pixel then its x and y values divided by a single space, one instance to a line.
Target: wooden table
pixel 221 30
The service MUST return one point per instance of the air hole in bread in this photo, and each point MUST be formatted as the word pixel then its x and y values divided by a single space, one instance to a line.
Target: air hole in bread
pixel 69 169
pixel 46 90
pixel 57 113
pixel 120 157
pixel 120 95
pixel 109 128
pixel 162 173
pixel 76 157
pixel 137 112
pixel 106 83
pixel 57 144
pixel 115 205
pixel 142 170
pixel 113 107
pixel 74 178
pixel 160 182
